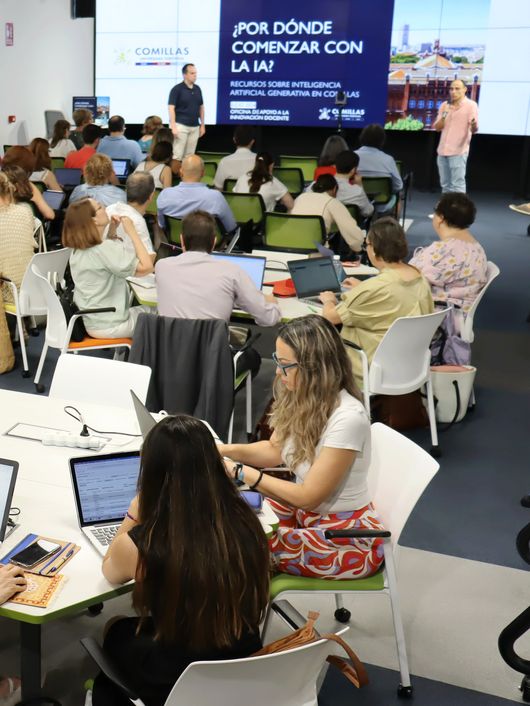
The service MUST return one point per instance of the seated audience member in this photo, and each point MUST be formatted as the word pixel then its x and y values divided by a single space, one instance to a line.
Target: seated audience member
pixel 18 164
pixel 61 144
pixel 39 147
pixel 81 117
pixel 373 162
pixel 100 266
pixel 16 236
pixel 456 264
pixel 261 181
pixel 322 201
pixel 206 599
pixel 99 173
pixel 334 145
pixel 116 146
pixel 371 307
pixel 157 164
pixel 151 125
pixel 164 134
pixel 12 581
pixel 92 135
pixel 321 431
pixel 241 161
pixel 192 195
pixel 139 190
pixel 351 194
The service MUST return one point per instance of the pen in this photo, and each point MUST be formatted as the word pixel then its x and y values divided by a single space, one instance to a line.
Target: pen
pixel 313 309
pixel 54 568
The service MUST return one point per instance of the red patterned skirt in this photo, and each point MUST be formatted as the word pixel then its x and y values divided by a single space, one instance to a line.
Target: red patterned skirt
pixel 299 546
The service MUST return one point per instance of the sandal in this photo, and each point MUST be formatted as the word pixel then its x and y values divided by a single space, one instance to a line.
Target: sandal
pixel 13 694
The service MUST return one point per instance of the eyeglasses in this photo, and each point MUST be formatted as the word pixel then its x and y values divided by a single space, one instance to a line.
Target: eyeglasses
pixel 283 366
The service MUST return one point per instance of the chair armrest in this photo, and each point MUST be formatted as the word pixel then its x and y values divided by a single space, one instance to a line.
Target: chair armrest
pixel 351 345
pixel 5 279
pixel 439 302
pixel 101 310
pixel 356 534
pixel 107 666
pixel 247 343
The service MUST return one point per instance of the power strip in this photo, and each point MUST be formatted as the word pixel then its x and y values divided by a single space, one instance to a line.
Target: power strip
pixel 64 438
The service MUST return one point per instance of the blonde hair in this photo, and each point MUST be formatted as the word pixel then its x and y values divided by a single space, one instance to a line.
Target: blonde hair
pixel 79 230
pixel 7 189
pixel 324 369
pixel 98 169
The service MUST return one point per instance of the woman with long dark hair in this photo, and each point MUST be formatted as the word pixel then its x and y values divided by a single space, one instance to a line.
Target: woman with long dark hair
pixel 261 181
pixel 200 559
pixel 42 171
pixel 61 144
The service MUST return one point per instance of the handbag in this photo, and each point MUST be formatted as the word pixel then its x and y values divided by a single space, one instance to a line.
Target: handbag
pixel 66 297
pixel 354 672
pixel 452 386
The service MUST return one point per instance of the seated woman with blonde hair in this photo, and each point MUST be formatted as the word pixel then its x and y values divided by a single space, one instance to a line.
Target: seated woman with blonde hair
pixel 100 267
pixel 99 182
pixel 322 434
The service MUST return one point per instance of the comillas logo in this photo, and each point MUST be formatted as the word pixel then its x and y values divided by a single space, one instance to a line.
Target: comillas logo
pixel 162 52
pixel 324 114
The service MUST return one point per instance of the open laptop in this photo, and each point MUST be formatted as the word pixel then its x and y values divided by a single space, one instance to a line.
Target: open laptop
pixel 312 276
pixel 122 167
pixel 68 177
pixel 103 488
pixel 253 266
pixel 54 199
pixel 8 476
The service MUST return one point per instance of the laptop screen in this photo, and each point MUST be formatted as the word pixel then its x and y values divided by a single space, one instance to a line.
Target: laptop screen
pixel 54 199
pixel 314 275
pixel 104 486
pixel 8 476
pixel 253 266
pixel 67 177
pixel 121 167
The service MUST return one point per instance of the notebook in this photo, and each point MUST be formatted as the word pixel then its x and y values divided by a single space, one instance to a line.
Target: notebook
pixel 8 476
pixel 68 177
pixel 312 276
pixel 103 489
pixel 253 266
pixel 122 167
pixel 54 199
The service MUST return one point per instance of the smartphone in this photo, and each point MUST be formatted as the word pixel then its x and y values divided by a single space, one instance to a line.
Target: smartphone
pixel 34 553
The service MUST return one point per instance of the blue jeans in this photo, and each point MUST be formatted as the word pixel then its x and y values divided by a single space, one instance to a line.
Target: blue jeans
pixel 453 173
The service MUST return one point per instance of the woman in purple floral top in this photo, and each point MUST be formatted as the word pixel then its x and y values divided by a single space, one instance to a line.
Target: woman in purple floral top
pixel 456 265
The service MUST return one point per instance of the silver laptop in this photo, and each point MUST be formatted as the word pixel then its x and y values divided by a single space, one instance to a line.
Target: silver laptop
pixel 312 276
pixel 8 476
pixel 103 488
pixel 253 266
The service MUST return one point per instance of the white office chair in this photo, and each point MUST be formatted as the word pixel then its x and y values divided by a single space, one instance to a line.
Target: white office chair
pixel 402 363
pixel 85 378
pixel 29 301
pixel 285 678
pixel 467 334
pixel 399 473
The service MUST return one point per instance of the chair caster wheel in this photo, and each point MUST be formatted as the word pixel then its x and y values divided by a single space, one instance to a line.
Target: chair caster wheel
pixel 34 332
pixel 404 692
pixel 95 609
pixel 525 688
pixel 342 615
pixel 435 451
pixel 40 388
pixel 26 373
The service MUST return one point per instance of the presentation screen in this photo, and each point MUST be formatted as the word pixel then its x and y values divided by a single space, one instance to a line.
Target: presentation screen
pixel 272 62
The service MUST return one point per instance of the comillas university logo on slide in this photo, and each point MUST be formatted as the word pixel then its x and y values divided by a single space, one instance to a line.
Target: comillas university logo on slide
pixel 324 114
pixel 348 114
pixel 151 56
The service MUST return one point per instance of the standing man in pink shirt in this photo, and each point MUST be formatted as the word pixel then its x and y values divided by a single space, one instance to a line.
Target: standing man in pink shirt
pixel 457 120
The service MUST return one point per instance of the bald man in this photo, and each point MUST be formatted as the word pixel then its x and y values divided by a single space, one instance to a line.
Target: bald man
pixel 191 195
pixel 457 121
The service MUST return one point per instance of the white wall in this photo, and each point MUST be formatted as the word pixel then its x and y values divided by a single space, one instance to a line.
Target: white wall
pixel 51 61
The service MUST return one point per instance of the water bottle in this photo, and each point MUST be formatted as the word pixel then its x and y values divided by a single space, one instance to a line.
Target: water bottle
pixel 337 266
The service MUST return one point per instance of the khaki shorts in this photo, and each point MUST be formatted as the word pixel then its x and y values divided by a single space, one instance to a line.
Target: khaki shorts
pixel 185 142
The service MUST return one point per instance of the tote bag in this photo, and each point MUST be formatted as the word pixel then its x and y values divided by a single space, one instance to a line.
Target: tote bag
pixel 452 386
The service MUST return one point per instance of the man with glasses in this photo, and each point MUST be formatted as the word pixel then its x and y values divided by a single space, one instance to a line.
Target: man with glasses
pixel 117 146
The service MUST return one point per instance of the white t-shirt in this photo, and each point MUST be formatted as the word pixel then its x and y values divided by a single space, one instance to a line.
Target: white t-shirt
pixel 348 428
pixel 123 209
pixel 234 165
pixel 62 148
pixel 271 191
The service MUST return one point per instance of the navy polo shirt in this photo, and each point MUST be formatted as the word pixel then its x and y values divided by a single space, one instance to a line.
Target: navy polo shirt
pixel 187 102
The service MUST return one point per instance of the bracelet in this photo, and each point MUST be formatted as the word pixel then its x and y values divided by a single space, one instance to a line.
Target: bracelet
pixel 238 472
pixel 128 514
pixel 255 485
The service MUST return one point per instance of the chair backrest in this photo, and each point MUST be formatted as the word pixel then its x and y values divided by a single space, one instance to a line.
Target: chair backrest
pixel 57 163
pixel 306 164
pixel 50 118
pixel 379 189
pixel 467 333
pixel 291 177
pixel 51 265
pixel 246 207
pixel 399 473
pixel 283 231
pixel 286 678
pixel 354 211
pixel 89 379
pixel 151 208
pixel 173 230
pixel 212 156
pixel 228 185
pixel 209 173
pixel 56 325
pixel 401 363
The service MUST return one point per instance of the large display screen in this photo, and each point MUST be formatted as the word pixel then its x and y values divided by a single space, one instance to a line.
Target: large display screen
pixel 275 62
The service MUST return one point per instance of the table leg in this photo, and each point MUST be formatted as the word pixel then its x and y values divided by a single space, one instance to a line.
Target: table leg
pixel 30 660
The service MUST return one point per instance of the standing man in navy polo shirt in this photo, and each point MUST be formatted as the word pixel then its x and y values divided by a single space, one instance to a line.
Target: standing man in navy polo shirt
pixel 186 109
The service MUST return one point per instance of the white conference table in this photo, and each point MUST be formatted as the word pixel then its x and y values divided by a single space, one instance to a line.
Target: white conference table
pixel 44 495
pixel 276 269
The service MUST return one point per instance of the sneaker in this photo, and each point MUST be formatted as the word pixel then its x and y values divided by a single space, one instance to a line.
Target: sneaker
pixel 523 208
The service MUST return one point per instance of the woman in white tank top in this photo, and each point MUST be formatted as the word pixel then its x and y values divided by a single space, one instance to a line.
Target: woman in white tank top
pixel 157 165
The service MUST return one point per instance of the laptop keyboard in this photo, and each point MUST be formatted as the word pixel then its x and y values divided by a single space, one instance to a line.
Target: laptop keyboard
pixel 311 301
pixel 105 535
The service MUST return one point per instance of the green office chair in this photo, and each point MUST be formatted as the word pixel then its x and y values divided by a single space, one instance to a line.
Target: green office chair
pixel 379 191
pixel 173 229
pixel 209 173
pixel 229 184
pixel 291 177
pixel 57 163
pixel 354 211
pixel 151 208
pixel 246 207
pixel 212 156
pixel 284 231
pixel 306 164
